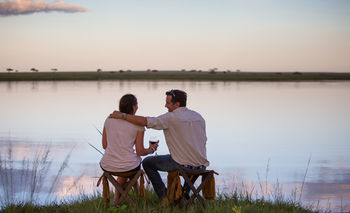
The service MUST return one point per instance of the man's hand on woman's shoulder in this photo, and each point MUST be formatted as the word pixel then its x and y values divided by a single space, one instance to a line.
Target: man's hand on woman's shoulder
pixel 116 115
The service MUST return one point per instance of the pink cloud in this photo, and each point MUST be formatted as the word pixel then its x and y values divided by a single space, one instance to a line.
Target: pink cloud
pixel 20 7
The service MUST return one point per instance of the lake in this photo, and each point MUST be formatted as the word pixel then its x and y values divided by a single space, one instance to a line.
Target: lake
pixel 289 138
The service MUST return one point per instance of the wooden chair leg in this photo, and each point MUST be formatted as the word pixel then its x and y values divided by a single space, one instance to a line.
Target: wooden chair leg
pixel 123 193
pixel 200 187
pixel 124 190
pixel 186 188
pixel 194 190
pixel 189 182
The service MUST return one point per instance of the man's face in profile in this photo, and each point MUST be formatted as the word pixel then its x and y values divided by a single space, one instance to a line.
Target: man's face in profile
pixel 168 104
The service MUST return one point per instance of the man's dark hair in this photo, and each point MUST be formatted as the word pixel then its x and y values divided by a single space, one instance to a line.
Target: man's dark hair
pixel 178 96
pixel 126 104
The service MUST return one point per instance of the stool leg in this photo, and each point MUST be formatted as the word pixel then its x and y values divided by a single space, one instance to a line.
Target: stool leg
pixel 123 193
pixel 105 190
pixel 194 190
pixel 200 187
pixel 196 195
pixel 186 188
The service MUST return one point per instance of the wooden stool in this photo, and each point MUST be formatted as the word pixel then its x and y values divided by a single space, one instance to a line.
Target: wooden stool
pixel 124 190
pixel 190 178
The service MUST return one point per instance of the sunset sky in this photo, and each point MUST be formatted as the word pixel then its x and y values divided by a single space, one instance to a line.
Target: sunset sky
pixel 260 35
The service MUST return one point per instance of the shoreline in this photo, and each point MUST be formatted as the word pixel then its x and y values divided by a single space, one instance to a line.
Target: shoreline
pixel 175 75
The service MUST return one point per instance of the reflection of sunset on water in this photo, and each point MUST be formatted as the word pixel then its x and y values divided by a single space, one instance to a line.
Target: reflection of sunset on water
pixel 247 123
pixel 72 186
pixel 26 150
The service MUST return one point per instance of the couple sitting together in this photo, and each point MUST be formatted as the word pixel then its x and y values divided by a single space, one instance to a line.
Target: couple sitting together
pixel 184 132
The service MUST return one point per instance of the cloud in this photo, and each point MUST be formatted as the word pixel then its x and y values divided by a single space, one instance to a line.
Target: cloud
pixel 21 7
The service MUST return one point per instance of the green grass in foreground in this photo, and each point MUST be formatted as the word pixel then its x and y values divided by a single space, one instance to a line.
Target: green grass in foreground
pixel 175 75
pixel 234 203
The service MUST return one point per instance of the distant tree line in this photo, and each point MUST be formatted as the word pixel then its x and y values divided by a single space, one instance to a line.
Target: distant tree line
pixel 211 70
pixel 32 70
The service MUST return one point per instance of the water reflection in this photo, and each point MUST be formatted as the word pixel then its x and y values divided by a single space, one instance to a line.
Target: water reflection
pixel 9 86
pixel 247 124
pixel 34 86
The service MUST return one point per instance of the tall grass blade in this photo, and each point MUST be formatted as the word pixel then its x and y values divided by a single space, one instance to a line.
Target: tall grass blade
pixel 266 174
pixel 302 185
pixel 58 175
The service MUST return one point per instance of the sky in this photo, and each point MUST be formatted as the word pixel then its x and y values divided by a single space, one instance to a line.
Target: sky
pixel 250 35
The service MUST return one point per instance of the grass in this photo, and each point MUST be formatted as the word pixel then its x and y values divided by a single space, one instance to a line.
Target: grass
pixel 235 203
pixel 32 174
pixel 23 181
pixel 174 75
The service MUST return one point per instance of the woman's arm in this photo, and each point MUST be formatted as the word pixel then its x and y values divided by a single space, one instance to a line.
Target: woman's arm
pixel 104 138
pixel 140 149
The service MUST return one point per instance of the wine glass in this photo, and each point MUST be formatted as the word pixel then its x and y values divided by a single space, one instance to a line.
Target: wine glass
pixel 153 140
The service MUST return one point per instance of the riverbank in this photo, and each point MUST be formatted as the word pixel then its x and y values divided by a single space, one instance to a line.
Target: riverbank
pixel 23 188
pixel 174 75
pixel 235 203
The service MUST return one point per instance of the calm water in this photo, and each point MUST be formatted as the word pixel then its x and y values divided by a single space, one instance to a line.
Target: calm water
pixel 259 134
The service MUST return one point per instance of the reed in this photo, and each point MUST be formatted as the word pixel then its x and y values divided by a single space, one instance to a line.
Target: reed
pixel 22 182
pixel 304 179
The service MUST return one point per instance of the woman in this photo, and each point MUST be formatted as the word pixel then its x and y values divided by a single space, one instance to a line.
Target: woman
pixel 118 140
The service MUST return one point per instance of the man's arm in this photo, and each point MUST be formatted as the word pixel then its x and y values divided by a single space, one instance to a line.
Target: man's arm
pixel 135 119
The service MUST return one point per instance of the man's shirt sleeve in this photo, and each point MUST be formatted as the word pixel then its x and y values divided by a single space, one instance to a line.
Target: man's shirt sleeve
pixel 160 122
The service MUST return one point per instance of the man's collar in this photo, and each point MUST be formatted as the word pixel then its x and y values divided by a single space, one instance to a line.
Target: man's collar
pixel 180 109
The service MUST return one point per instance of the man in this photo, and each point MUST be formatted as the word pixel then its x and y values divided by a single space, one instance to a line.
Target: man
pixel 185 135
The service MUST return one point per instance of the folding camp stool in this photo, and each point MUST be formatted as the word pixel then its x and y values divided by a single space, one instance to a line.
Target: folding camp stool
pixel 190 178
pixel 124 190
